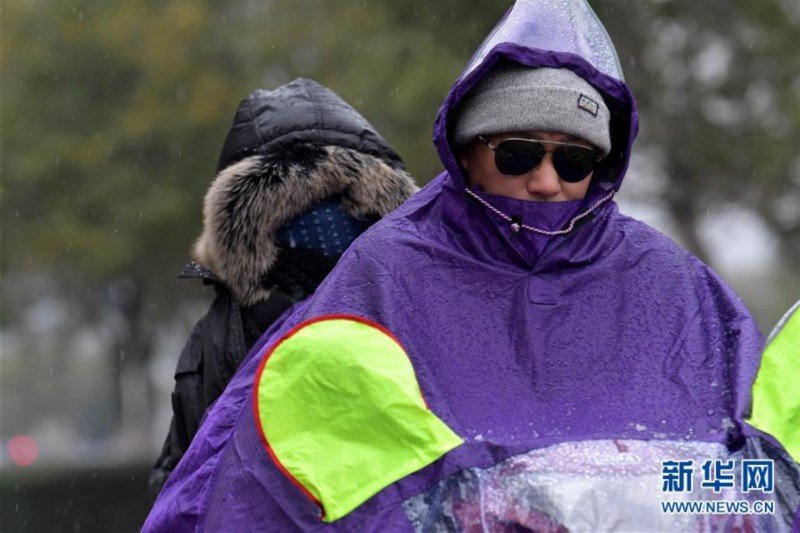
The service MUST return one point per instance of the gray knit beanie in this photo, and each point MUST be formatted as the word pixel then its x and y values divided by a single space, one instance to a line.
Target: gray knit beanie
pixel 513 97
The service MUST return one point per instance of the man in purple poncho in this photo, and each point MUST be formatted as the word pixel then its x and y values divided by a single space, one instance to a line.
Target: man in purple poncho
pixel 506 351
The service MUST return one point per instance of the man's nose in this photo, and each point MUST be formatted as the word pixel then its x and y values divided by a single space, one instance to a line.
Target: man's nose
pixel 543 181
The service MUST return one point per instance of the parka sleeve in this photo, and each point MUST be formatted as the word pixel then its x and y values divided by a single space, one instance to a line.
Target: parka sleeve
pixel 182 502
pixel 187 409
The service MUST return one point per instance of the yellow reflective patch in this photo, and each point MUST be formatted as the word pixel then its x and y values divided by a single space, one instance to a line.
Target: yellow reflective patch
pixel 776 391
pixel 341 413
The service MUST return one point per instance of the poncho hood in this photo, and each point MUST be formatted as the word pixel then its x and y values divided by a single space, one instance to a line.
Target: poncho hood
pixel 541 33
pixel 526 35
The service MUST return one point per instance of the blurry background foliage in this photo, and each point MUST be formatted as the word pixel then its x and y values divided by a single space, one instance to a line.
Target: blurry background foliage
pixel 112 115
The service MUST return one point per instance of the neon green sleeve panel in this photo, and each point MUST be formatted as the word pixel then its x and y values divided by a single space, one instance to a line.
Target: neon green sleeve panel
pixel 341 413
pixel 776 391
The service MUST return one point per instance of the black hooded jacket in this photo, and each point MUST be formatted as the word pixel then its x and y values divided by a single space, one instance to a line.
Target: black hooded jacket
pixel 287 150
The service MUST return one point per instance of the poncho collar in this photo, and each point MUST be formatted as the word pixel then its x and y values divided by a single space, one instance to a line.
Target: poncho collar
pixel 484 236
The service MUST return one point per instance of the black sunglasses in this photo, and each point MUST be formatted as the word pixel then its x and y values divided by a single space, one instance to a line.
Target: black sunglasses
pixel 514 157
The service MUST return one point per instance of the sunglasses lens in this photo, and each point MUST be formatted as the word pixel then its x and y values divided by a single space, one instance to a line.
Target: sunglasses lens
pixel 574 163
pixel 515 157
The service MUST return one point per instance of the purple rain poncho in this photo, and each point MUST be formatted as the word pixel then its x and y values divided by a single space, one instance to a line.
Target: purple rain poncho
pixel 571 366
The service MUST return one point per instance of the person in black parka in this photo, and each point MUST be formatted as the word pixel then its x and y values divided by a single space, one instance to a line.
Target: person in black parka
pixel 300 176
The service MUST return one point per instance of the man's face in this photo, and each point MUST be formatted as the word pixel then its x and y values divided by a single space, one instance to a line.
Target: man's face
pixel 542 184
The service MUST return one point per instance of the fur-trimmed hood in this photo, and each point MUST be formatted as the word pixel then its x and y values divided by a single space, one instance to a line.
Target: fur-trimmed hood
pixel 270 179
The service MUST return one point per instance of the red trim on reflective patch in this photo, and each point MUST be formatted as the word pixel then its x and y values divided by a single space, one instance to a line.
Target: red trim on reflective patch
pixel 271 453
pixel 263 365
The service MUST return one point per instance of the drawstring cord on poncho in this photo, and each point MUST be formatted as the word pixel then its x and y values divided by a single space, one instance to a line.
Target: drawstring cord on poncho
pixel 516 226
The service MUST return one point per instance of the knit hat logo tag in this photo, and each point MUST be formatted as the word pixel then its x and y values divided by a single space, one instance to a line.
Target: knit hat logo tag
pixel 588 105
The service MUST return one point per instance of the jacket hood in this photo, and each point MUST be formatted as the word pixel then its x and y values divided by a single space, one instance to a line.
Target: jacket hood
pixel 542 33
pixel 300 111
pixel 288 150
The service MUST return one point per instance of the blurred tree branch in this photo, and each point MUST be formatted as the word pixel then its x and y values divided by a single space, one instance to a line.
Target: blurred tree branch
pixel 718 91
